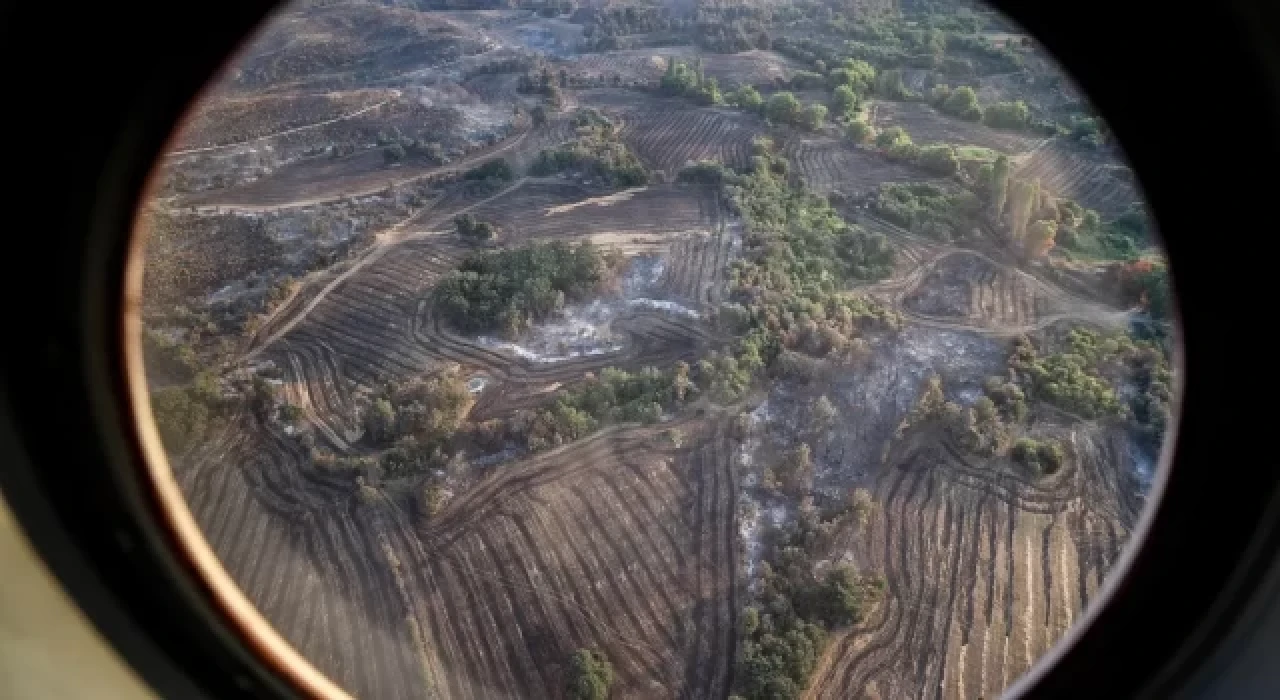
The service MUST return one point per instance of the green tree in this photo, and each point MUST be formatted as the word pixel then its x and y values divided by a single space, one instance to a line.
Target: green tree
pixel 590 676
pixel 1007 115
pixel 999 185
pixel 844 596
pixel 963 103
pixel 844 100
pixel 889 84
pixel 813 117
pixel 940 159
pixel 858 75
pixel 181 418
pixel 893 136
pixel 859 132
pixel 782 108
pixel 746 97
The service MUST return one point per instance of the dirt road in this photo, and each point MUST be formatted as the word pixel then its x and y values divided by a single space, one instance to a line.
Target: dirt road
pixel 285 132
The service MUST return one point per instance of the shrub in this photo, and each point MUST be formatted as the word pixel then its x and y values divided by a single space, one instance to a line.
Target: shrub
pixel 939 159
pixel 844 101
pixel 510 289
pixel 470 228
pixel 746 97
pixel 892 136
pixel 704 172
pixel 782 108
pixel 859 132
pixel 963 103
pixel 590 676
pixel 1007 115
pixel 498 169
pixel 813 117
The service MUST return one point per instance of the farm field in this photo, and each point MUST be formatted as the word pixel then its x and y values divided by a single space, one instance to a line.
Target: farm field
pixel 1096 182
pixel 746 68
pixel 487 374
pixel 927 125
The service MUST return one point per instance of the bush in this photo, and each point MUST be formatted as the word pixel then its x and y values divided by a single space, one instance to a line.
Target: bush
pixel 393 153
pixel 181 415
pixel 963 103
pixel 892 136
pixel 813 117
pixel 499 170
pixel 1045 457
pixel 857 75
pixel 471 229
pixel 538 115
pixel 859 132
pixel 929 209
pixel 782 108
pixel 939 159
pixel 746 97
pixel 617 395
pixel 844 101
pixel 590 676
pixel 596 152
pixel 1007 115
pixel 704 173
pixel 785 631
pixel 889 84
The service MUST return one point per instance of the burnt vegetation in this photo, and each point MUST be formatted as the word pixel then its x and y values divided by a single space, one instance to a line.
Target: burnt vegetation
pixel 650 350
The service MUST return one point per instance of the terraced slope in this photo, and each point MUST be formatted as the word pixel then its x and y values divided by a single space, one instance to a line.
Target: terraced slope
pixel 985 570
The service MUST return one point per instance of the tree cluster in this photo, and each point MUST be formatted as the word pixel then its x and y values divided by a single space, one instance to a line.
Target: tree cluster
pixel 420 418
pixel 929 209
pixel 616 395
pixel 509 290
pixel 896 144
pixel 590 676
pixel 786 628
pixel 686 80
pixel 596 152
pixel 472 229
pixel 1044 457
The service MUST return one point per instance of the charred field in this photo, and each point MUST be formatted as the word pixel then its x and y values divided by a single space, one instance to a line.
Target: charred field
pixel 482 336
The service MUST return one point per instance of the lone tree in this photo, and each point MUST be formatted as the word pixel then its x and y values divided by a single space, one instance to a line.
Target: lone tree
pixel 824 414
pixel 590 676
pixel 472 229
pixel 782 108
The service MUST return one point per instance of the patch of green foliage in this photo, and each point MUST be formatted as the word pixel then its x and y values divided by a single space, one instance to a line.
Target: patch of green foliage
pixel 590 676
pixel 472 229
pixel 1084 232
pixel 616 395
pixel 185 414
pixel 1007 115
pixel 498 170
pixel 961 103
pixel 785 630
pixel 1041 456
pixel 596 151
pixel 929 209
pixel 798 242
pixel 685 80
pixel 704 173
pixel 509 290
pixel 168 358
pixel 1082 377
